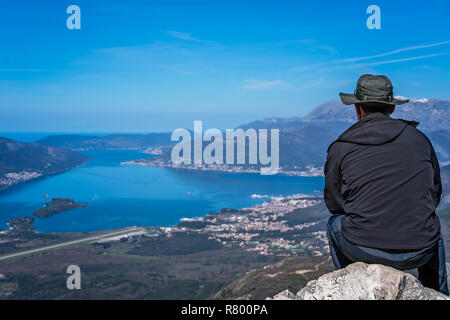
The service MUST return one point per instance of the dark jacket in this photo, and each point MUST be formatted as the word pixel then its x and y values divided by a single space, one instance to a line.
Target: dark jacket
pixel 383 174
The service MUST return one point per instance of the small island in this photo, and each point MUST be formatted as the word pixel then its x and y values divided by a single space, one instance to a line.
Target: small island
pixel 57 205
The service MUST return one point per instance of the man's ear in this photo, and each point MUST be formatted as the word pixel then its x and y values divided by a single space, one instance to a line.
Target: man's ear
pixel 358 111
pixel 393 109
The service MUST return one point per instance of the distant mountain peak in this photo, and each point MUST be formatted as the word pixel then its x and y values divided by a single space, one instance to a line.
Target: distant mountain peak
pixel 433 114
pixel 420 100
pixel 324 123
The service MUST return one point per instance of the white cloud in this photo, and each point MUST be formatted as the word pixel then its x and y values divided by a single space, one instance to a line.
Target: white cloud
pixel 185 36
pixel 253 84
pixel 424 46
pixel 348 63
pixel 315 45
pixel 182 36
pixel 377 63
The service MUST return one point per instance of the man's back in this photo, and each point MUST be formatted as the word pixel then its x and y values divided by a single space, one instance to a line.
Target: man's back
pixel 383 174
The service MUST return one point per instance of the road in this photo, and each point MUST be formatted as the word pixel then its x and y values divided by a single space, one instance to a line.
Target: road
pixel 316 267
pixel 64 244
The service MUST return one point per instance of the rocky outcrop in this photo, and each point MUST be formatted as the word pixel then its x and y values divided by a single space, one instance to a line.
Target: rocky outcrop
pixel 361 281
pixel 448 273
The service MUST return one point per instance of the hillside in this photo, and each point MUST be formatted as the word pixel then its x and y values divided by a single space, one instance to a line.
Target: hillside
pixel 445 177
pixel 433 114
pixel 20 162
pixel 107 142
pixel 295 272
pixel 303 140
pixel 332 117
pixel 191 260
pixel 292 274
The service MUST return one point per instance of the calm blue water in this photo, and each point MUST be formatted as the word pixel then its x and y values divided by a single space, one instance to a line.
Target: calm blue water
pixel 121 196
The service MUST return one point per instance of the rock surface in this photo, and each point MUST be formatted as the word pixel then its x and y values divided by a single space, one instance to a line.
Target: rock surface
pixel 448 273
pixel 361 281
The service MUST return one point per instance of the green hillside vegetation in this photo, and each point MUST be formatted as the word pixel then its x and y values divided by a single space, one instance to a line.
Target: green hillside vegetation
pixel 176 267
pixel 318 212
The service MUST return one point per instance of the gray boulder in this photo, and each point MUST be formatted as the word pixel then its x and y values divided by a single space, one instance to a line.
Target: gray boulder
pixel 285 295
pixel 361 281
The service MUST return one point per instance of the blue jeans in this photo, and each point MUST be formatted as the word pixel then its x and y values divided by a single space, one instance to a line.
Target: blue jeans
pixel 430 262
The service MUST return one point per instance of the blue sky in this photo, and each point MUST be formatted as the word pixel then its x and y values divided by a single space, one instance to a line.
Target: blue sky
pixel 142 66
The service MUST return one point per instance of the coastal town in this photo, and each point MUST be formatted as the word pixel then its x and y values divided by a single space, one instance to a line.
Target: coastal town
pixel 12 178
pixel 263 227
pixel 308 171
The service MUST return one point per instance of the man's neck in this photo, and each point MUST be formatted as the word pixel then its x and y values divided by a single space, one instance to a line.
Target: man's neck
pixel 365 115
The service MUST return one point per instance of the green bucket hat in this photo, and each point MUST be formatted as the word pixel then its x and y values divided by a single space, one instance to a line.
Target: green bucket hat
pixel 372 88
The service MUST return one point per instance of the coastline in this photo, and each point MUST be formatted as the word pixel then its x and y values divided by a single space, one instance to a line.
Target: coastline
pixel 18 184
pixel 148 162
pixel 284 204
pixel 309 171
pixel 263 228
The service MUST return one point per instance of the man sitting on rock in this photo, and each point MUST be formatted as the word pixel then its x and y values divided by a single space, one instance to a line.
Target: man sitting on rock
pixel 382 185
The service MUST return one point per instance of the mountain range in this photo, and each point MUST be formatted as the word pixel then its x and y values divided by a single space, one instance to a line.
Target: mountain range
pixel 303 140
pixel 433 114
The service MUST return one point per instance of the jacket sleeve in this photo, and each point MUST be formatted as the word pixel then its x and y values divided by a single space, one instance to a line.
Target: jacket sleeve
pixel 333 182
pixel 437 177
